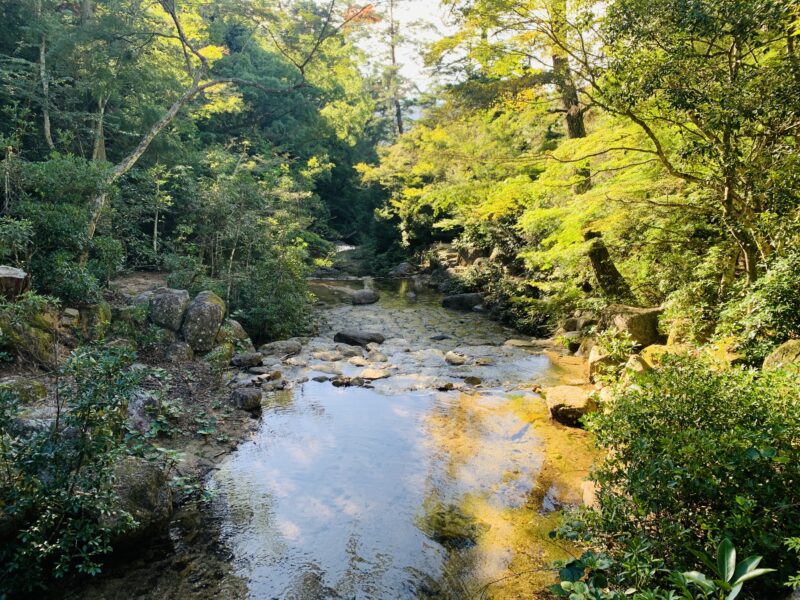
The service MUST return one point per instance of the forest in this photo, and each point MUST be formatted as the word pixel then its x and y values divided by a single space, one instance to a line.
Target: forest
pixel 618 178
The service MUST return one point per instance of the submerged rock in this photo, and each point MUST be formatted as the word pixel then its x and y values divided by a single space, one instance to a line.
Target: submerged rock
pixel 365 296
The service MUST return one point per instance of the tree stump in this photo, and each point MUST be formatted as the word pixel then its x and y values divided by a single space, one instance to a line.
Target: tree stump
pixel 13 282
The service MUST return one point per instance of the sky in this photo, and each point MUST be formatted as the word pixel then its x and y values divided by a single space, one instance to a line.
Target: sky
pixel 430 15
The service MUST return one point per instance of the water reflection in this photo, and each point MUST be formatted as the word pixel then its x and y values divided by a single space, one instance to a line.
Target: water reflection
pixel 348 493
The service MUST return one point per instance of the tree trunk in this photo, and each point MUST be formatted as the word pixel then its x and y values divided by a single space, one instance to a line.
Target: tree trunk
pixel 99 150
pixel 393 83
pixel 562 76
pixel 130 160
pixel 612 284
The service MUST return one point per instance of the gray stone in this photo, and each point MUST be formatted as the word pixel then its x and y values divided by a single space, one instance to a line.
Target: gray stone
pixel 361 297
pixel 462 301
pixel 404 269
pixel 640 323
pixel 179 352
pixel 785 355
pixel 247 398
pixel 247 359
pixel 568 403
pixel 283 348
pixel 203 320
pixel 453 358
pixel 358 338
pixel 143 489
pixel 167 307
pixel 142 408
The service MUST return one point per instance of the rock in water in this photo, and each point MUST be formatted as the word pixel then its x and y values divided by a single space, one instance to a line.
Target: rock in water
pixel 568 403
pixel 282 348
pixel 455 359
pixel 203 320
pixel 365 296
pixel 13 282
pixel 167 307
pixel 247 359
pixel 359 338
pixel 373 374
pixel 462 301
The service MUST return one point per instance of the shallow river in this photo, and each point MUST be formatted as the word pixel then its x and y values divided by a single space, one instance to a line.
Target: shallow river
pixel 400 490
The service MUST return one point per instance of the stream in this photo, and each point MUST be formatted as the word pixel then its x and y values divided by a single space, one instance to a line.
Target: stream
pixel 434 481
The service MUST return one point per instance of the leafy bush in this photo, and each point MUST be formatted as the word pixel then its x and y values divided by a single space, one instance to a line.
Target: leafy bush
pixel 696 455
pixel 62 275
pixel 598 577
pixel 56 475
pixel 273 301
pixel 767 313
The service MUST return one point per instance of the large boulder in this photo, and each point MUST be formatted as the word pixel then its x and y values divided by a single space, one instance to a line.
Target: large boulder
pixel 785 355
pixel 462 301
pixel 282 348
pixel 358 338
pixel 202 321
pixel 144 492
pixel 640 323
pixel 569 403
pixel 167 307
pixel 365 296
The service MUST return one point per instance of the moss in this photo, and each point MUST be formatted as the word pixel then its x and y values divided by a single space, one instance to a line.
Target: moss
pixel 27 390
pixel 96 320
pixel 220 357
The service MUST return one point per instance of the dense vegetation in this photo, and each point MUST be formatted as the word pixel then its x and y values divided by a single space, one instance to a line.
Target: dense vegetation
pixel 643 152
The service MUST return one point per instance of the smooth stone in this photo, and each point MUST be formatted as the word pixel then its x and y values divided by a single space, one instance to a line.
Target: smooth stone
pixel 247 359
pixel 373 374
pixel 455 359
pixel 358 338
pixel 247 398
pixel 568 404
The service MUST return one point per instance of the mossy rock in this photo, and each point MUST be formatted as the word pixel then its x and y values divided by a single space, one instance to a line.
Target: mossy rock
pixel 220 357
pixel 30 343
pixel 203 320
pixel 96 320
pixel 27 390
pixel 232 332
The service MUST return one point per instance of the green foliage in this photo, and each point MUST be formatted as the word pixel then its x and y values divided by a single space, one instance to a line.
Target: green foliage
pixel 56 475
pixel 767 313
pixel 598 577
pixel 696 455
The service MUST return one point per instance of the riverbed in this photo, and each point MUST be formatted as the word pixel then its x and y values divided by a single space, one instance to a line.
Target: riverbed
pixel 436 480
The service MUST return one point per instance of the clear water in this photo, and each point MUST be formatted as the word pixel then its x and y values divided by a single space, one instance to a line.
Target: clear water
pixel 389 493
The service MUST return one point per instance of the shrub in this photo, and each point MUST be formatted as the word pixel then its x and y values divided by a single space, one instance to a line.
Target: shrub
pixel 62 275
pixel 768 312
pixel 696 455
pixel 56 476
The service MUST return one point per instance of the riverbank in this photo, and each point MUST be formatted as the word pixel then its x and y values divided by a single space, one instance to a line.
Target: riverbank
pixel 481 420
